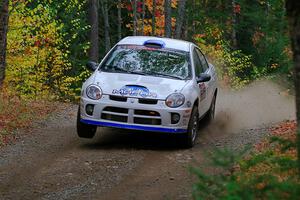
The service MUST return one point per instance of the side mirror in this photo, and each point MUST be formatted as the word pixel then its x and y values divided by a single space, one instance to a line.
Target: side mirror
pixel 92 66
pixel 203 78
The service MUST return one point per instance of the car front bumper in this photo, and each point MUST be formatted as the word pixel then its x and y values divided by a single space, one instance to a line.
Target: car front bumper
pixel 132 114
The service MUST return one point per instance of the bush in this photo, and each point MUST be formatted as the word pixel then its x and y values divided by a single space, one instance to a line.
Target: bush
pixel 234 68
pixel 270 172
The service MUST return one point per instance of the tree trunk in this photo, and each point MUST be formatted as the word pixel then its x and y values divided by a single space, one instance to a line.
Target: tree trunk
pixel 293 12
pixel 153 17
pixel 234 22
pixel 119 19
pixel 94 33
pixel 193 21
pixel 143 18
pixel 180 18
pixel 106 25
pixel 3 37
pixel 185 32
pixel 168 18
pixel 134 18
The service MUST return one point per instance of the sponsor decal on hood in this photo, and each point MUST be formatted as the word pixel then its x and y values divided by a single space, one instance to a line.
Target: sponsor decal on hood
pixel 134 91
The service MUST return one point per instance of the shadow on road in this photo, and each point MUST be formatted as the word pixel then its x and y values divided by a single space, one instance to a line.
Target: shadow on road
pixel 128 139
pixel 109 138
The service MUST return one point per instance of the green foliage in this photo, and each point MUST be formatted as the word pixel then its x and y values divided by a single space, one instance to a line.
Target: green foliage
pixel 263 33
pixel 263 45
pixel 262 175
pixel 234 68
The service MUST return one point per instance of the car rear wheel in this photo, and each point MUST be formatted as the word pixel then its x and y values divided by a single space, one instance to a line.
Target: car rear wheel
pixel 192 133
pixel 210 115
pixel 85 130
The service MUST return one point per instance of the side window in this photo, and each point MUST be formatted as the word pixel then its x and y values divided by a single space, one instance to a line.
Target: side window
pixel 197 63
pixel 202 60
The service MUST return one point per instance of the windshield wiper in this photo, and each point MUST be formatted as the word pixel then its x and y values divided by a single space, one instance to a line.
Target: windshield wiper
pixel 166 75
pixel 117 68
pixel 136 72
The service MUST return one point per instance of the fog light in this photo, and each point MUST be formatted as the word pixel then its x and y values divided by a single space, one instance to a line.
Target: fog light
pixel 175 117
pixel 89 109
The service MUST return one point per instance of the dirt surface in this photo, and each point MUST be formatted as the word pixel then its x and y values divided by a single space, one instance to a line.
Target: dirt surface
pixel 53 163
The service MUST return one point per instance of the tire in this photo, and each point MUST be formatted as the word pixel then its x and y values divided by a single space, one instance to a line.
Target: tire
pixel 192 132
pixel 85 130
pixel 210 115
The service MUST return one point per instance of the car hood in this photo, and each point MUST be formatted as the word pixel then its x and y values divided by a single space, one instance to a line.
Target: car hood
pixel 139 86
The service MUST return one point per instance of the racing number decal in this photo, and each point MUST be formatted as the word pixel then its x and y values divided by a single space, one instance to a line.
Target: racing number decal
pixel 202 88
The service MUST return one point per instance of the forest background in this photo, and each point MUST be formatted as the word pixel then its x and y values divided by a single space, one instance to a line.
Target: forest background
pixel 50 41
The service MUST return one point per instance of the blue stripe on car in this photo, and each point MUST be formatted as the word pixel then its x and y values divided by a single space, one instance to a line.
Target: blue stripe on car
pixel 135 127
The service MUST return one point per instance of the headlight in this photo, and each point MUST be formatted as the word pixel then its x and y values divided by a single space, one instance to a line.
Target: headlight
pixel 94 92
pixel 175 100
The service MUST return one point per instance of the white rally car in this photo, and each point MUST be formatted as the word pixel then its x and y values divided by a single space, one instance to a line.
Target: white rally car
pixel 149 84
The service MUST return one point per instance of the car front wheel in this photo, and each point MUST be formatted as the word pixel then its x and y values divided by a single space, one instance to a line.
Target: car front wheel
pixel 192 132
pixel 85 130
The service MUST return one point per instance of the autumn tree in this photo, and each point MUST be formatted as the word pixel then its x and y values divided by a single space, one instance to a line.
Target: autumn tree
pixel 3 36
pixel 293 13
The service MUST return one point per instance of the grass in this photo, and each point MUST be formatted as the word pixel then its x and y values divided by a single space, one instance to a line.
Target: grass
pixel 19 113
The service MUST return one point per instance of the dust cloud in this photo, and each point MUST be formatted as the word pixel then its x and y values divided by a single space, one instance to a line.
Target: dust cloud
pixel 260 104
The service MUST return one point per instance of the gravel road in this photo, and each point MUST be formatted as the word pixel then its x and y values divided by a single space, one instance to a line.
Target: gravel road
pixel 53 163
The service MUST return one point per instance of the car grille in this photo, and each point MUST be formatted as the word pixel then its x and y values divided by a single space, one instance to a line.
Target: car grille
pixel 115 109
pixel 146 112
pixel 148 101
pixel 140 120
pixel 115 114
pixel 112 117
pixel 136 116
pixel 117 98
pixel 140 100
pixel 146 117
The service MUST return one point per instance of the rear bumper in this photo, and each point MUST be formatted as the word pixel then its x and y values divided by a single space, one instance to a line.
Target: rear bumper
pixel 134 127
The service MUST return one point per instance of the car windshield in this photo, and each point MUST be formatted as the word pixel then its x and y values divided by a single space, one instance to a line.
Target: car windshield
pixel 135 59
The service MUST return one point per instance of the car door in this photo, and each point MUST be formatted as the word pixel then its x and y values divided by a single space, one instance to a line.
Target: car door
pixel 202 87
pixel 208 70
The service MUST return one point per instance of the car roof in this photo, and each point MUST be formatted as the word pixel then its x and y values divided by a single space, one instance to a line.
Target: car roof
pixel 168 42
